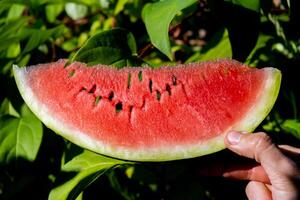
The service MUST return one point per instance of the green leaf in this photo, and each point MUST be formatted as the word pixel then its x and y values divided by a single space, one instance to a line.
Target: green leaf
pixel 13 50
pixel 218 47
pixel 157 18
pixel 52 11
pixel 291 126
pixel 11 28
pixel 110 47
pixel 120 6
pixel 24 61
pixel 38 37
pixel 7 42
pixel 20 137
pixel 104 3
pixel 7 108
pixel 261 43
pixel 249 4
pixel 70 45
pixel 89 166
pixel 76 11
pixel 15 12
pixel 10 41
pixel 130 61
pixel 122 189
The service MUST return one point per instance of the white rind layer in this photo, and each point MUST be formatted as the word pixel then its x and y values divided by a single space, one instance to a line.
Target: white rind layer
pixel 251 120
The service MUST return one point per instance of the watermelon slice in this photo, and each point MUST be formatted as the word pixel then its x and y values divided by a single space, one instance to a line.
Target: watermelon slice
pixel 149 114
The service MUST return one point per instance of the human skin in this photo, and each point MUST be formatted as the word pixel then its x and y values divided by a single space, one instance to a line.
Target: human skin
pixel 275 175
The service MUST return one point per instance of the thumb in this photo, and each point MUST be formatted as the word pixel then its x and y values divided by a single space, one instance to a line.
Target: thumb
pixel 259 146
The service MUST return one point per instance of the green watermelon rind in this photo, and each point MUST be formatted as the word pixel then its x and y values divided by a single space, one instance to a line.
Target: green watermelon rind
pixel 251 120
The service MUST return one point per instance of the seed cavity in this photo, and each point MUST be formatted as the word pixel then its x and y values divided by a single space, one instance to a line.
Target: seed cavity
pixel 174 80
pixel 168 89
pixel 82 89
pixel 98 98
pixel 119 107
pixel 111 96
pixel 93 89
pixel 140 75
pixel 72 73
pixel 150 85
pixel 130 108
pixel 129 80
pixel 158 95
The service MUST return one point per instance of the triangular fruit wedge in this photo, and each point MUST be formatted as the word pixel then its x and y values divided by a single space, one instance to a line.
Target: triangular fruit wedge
pixel 148 114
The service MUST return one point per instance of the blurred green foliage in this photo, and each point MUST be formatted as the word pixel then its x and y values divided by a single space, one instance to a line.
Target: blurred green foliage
pixel 37 164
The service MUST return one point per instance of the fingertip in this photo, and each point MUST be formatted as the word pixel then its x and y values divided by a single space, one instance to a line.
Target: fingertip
pixel 257 191
pixel 234 137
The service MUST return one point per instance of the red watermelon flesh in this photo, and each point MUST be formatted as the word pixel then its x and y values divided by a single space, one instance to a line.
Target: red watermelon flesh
pixel 144 113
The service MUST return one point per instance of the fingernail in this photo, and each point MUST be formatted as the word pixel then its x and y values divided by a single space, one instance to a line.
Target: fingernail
pixel 234 137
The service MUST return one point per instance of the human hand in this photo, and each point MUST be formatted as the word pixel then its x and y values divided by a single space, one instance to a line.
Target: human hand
pixel 274 176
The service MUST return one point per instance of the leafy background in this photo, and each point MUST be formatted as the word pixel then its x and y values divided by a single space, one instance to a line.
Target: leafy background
pixel 35 163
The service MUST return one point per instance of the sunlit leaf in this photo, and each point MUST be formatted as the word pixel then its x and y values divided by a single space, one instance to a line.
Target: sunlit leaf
pixel 218 47
pixel 157 17
pixel 87 166
pixel 112 47
pixel 70 45
pixel 104 3
pixel 120 6
pixel 52 11
pixel 76 11
pixel 15 12
pixel 292 126
pixel 7 108
pixel 13 50
pixel 20 137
